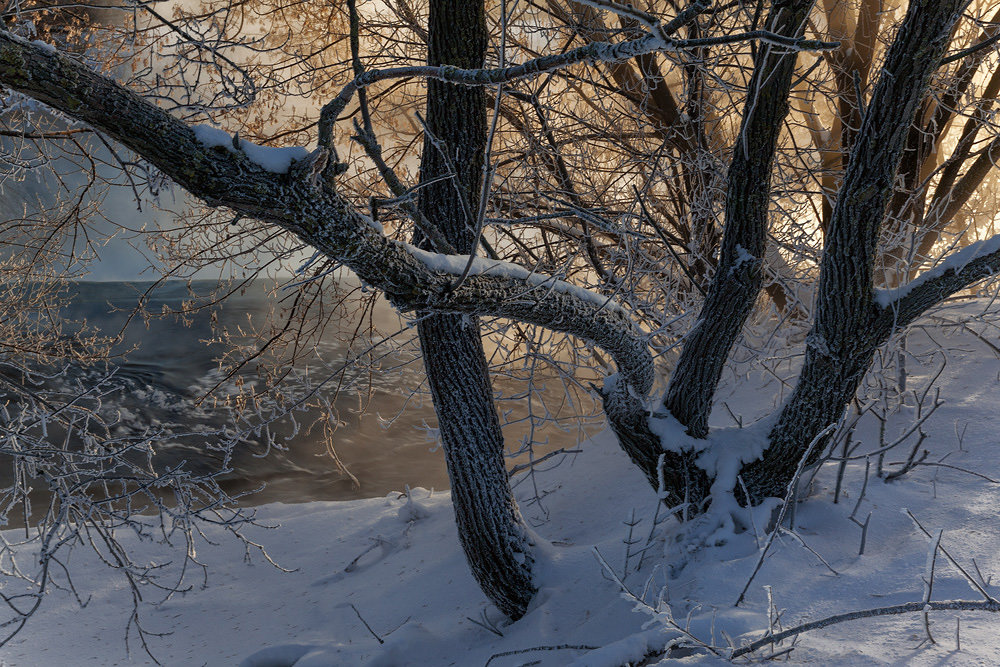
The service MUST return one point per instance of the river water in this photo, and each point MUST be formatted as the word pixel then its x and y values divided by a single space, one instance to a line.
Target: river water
pixel 170 367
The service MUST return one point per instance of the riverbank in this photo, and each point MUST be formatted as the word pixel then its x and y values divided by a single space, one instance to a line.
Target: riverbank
pixel 383 582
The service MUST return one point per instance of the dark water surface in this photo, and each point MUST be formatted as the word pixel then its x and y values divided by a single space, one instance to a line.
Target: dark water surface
pixel 171 369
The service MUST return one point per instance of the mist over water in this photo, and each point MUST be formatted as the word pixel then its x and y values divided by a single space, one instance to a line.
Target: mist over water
pixel 168 367
pixel 171 367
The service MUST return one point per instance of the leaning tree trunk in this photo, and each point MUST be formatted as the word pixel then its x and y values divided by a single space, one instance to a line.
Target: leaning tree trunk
pixel 489 526
pixel 850 324
pixel 739 274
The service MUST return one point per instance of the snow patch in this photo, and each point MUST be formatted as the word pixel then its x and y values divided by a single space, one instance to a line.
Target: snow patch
pixel 45 46
pixel 413 509
pixel 268 158
pixel 722 455
pixel 743 257
pixel 283 655
pixel 211 137
pixel 673 435
pixel 627 651
pixel 728 449
pixel 723 452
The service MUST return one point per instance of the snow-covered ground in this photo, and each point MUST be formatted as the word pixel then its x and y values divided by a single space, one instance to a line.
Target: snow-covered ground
pixel 394 564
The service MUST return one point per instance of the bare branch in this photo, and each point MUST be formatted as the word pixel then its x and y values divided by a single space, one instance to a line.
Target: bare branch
pixel 593 52
pixel 321 217
pixel 956 272
pixel 906 608
pixel 985 44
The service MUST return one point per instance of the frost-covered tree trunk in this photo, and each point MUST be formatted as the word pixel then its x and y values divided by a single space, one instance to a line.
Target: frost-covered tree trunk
pixel 739 275
pixel 850 323
pixel 489 526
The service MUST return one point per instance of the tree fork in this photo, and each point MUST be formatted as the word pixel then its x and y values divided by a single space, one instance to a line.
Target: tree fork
pixel 849 324
pixel 739 274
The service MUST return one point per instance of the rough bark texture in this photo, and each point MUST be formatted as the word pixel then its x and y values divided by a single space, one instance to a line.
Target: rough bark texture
pixel 849 325
pixel 739 274
pixel 489 526
pixel 682 481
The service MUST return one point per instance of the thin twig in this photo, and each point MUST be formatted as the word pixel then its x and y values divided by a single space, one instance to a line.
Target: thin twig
pixel 906 608
pixel 361 618
pixel 784 507
pixel 972 582
pixel 560 647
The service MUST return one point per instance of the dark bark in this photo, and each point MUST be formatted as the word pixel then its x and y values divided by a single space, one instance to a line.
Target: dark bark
pixel 739 274
pixel 849 325
pixel 489 529
pixel 489 526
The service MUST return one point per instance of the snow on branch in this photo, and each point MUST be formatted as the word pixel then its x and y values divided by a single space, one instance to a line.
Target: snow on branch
pixel 455 265
pixel 955 272
pixel 268 158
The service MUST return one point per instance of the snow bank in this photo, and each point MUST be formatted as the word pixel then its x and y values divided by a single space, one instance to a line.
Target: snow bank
pixel 391 570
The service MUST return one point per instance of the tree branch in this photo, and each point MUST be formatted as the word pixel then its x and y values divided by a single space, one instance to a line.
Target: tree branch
pixel 593 52
pixel 906 608
pixel 849 324
pixel 985 44
pixel 320 216
pixel 957 271
pixel 739 276
pixel 650 21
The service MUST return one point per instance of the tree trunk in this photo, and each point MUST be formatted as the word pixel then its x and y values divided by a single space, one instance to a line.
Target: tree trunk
pixel 849 324
pixel 489 527
pixel 739 274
